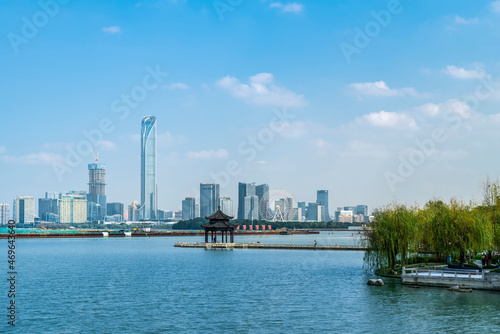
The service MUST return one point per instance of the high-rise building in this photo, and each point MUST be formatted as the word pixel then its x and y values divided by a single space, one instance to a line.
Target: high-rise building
pixel 261 191
pixel 251 207
pixel 244 190
pixel 48 207
pixel 322 199
pixel 226 205
pixel 149 190
pixel 313 212
pixel 133 214
pixel 24 210
pixel 362 210
pixel 160 214
pixel 96 198
pixel 197 210
pixel 114 209
pixel 302 207
pixel 73 209
pixel 188 208
pixel 4 214
pixel 209 198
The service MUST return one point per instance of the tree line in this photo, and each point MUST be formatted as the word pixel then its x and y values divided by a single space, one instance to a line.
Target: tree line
pixel 400 233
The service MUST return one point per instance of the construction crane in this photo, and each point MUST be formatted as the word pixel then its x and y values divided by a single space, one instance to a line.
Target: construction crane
pixel 96 157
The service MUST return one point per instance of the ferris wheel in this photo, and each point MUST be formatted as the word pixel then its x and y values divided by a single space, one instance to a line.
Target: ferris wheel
pixel 278 205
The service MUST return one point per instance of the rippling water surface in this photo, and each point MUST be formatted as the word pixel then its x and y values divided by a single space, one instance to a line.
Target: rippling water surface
pixel 132 285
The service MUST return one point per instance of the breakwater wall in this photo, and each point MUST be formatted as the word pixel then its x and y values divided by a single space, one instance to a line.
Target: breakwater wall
pixel 258 245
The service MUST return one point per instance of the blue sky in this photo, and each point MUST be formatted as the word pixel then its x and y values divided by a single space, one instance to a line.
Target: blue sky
pixel 354 122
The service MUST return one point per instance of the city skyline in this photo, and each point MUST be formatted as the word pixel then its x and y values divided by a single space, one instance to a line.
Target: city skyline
pixel 373 117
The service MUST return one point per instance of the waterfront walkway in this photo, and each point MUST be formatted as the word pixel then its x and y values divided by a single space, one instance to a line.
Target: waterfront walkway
pixel 258 245
pixel 465 279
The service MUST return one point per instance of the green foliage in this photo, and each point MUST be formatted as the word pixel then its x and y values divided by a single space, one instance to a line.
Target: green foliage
pixel 192 224
pixel 391 237
pixel 400 234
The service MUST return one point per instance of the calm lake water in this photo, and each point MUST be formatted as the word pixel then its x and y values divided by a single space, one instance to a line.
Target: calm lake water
pixel 145 285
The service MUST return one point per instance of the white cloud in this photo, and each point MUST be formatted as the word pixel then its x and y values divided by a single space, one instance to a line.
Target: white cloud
pixel 380 88
pixel 430 109
pixel 462 73
pixel 112 30
pixel 386 119
pixel 3 149
pixel 177 85
pixel 42 158
pixel 210 154
pixel 261 91
pixel 293 7
pixel 451 106
pixel 495 6
pixel 462 20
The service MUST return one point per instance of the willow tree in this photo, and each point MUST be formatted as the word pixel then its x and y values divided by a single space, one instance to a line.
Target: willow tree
pixel 491 209
pixel 436 230
pixel 455 228
pixel 391 237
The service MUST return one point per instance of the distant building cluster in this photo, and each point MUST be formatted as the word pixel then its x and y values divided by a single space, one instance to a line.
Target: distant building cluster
pixel 255 202
pixel 353 214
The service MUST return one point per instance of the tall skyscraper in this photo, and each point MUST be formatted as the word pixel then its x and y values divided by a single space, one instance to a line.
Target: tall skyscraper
pixel 226 205
pixel 244 190
pixel 322 199
pixel 209 198
pixel 73 209
pixel 188 208
pixel 96 198
pixel 4 213
pixel 251 207
pixel 149 191
pixel 260 192
pixel 24 210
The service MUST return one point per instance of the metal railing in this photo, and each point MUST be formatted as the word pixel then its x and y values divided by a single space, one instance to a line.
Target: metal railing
pixel 424 272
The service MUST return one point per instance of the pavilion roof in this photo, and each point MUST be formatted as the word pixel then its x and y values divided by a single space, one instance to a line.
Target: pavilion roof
pixel 219 215
pixel 219 220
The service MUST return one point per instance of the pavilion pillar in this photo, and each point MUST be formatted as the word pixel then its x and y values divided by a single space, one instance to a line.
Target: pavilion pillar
pixel 232 237
pixel 206 236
